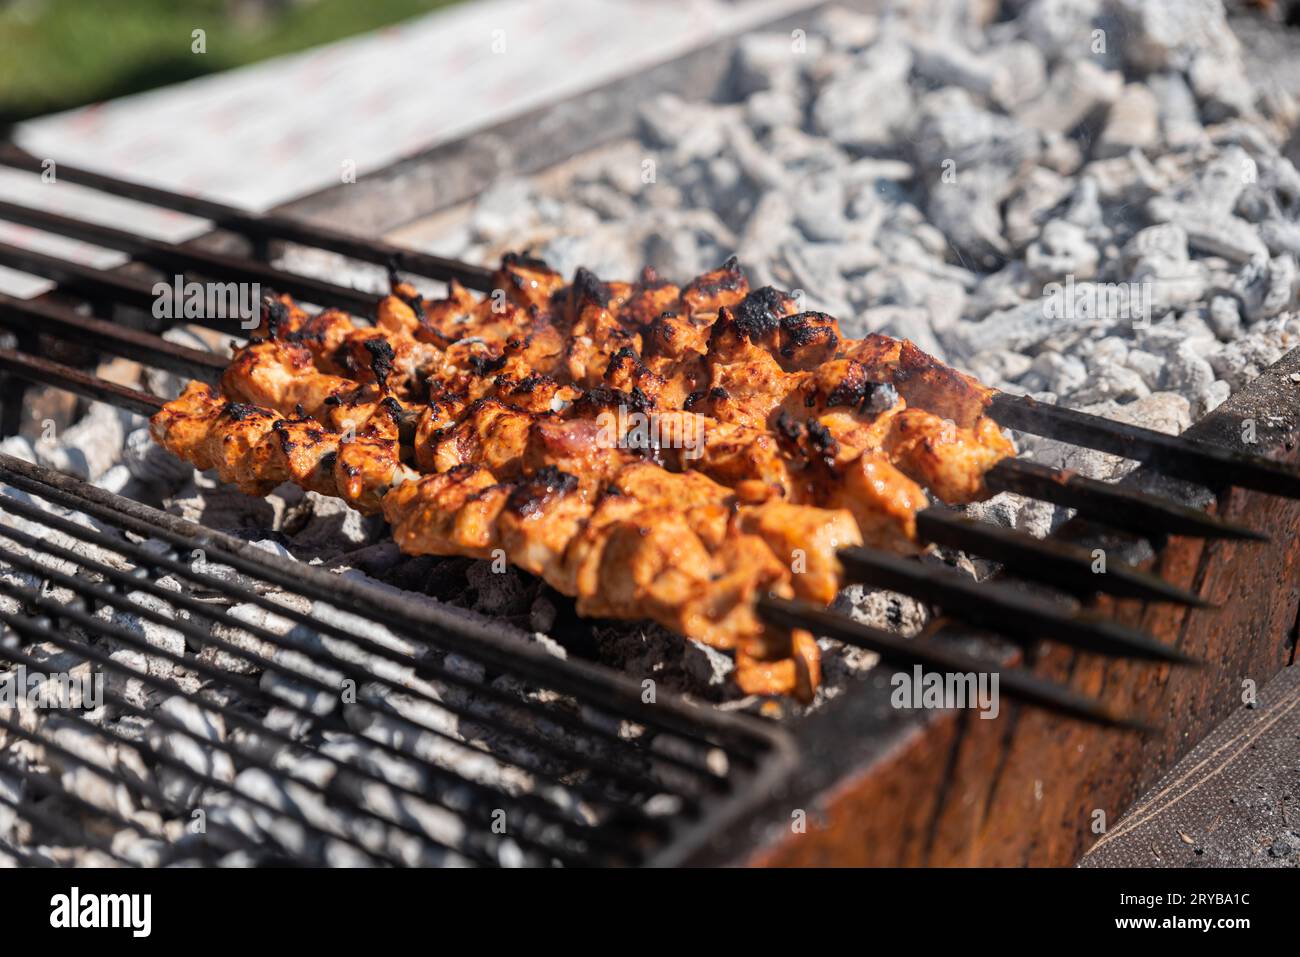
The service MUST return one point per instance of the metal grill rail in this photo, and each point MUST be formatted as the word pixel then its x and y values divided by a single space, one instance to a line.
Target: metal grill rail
pixel 593 755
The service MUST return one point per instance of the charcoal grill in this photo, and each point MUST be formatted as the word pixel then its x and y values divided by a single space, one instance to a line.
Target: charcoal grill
pixel 598 772
pixel 729 775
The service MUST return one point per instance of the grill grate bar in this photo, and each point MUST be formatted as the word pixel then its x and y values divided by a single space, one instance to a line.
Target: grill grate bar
pixel 1117 506
pixel 906 652
pixel 96 284
pixel 1003 609
pixel 23 626
pixel 191 260
pixel 58 824
pixel 235 590
pixel 624 835
pixel 183 768
pixel 265 226
pixel 24 315
pixel 217 615
pixel 14 854
pixel 467 636
pixel 38 369
pixel 126 782
pixel 1210 465
pixel 528 805
pixel 1068 567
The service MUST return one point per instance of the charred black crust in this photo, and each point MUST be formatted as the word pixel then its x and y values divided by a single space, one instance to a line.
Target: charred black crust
pixel 275 314
pixel 729 276
pixel 625 353
pixel 603 397
pixel 627 356
pixel 733 277
pixel 532 494
pixel 588 289
pixel 759 313
pixel 639 401
pixel 381 359
pixel 328 461
pixel 852 388
pixel 416 302
pixel 821 439
pixel 280 428
pixel 529 384
pixel 242 411
pixel 788 427
pixel 525 262
pixel 716 394
pixel 857 391
pixel 806 328
pixel 484 366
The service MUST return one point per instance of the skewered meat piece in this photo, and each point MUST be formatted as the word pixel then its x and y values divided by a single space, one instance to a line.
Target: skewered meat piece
pixel 257 449
pixel 634 541
pixel 750 389
pixel 771 381
pixel 782 440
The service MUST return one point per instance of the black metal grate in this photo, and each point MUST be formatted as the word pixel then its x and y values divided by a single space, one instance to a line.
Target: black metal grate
pixel 402 732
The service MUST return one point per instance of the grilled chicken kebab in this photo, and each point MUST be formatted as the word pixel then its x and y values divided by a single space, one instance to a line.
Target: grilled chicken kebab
pixel 653 451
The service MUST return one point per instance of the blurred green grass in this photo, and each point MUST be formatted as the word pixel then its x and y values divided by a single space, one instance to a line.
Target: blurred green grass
pixel 59 54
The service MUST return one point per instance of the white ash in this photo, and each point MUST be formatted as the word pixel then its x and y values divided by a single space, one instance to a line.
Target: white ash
pixel 931 175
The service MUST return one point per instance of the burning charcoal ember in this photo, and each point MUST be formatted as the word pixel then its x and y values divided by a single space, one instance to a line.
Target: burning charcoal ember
pixel 298 694
pixel 159 636
pixel 188 748
pixel 76 754
pixel 767 61
pixel 1173 35
pixel 232 633
pixel 91 446
pixel 1061 250
pixel 11 792
pixel 879 76
pixel 502 592
pixel 1078 91
pixel 326 526
pixel 202 500
pixel 150 464
pixel 20 447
